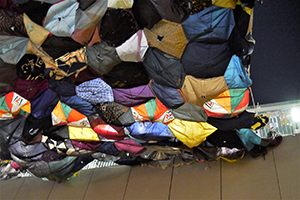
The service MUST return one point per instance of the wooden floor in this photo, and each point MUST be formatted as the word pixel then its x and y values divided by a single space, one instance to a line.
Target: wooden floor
pixel 276 177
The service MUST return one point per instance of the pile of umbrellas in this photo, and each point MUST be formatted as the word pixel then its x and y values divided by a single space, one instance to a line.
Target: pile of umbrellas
pixel 130 81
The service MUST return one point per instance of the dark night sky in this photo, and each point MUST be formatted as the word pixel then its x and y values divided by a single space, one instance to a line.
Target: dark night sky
pixel 275 65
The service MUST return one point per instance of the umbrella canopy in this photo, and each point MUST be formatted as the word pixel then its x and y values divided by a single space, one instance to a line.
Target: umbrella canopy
pixel 30 67
pixel 82 133
pixel 169 96
pixel 127 75
pixel 168 37
pixel 212 25
pixel 203 60
pixel 190 112
pixel 226 4
pixel 228 104
pixel 170 10
pixel 60 18
pixel 164 69
pixel 133 49
pixel 195 6
pixel 12 23
pixel 116 26
pixel 123 4
pixel 12 48
pixel 133 96
pixel 90 16
pixel 148 131
pixel 198 91
pixel 63 114
pixel 152 110
pixel 102 57
pixel 236 75
pixel 13 104
pixel 191 133
pixel 129 145
pixel 95 91
pixel 7 75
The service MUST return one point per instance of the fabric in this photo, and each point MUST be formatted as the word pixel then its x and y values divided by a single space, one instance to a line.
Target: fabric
pixel 170 10
pixel 29 89
pixel 153 110
pixel 133 49
pixel 82 133
pixel 169 96
pixel 116 26
pixel 167 36
pixel 133 96
pixel 123 4
pixel 191 133
pixel 203 60
pixel 249 138
pixel 190 112
pixel 130 146
pixel 212 25
pixel 95 91
pixel 119 77
pixel 8 74
pixel 11 23
pixel 78 104
pixel 102 57
pixel 13 104
pixel 145 13
pixel 226 4
pixel 235 74
pixel 60 18
pixel 228 104
pixel 148 131
pixel 195 6
pixel 30 67
pixel 63 114
pixel 198 91
pixel 43 105
pixel 163 68
pixel 243 120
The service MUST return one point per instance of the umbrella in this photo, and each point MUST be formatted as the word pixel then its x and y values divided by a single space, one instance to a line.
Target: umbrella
pixel 91 16
pixel 236 75
pixel 7 75
pixel 63 114
pixel 190 112
pixel 123 4
pixel 169 96
pixel 13 104
pixel 102 57
pixel 191 133
pixel 95 91
pixel 12 24
pixel 12 48
pixel 148 131
pixel 226 4
pixel 197 91
pixel 133 49
pixel 127 75
pixel 129 145
pixel 153 110
pixel 163 68
pixel 195 6
pixel 60 18
pixel 228 104
pixel 145 13
pixel 82 133
pixel 133 96
pixel 212 25
pixel 116 26
pixel 30 67
pixel 170 10
pixel 203 60
pixel 168 37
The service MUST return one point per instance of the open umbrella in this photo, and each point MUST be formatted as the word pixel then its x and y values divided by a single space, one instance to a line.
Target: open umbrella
pixel 170 10
pixel 168 37
pixel 152 110
pixel 60 18
pixel 133 49
pixel 123 4
pixel 211 25
pixel 198 91
pixel 190 112
pixel 63 114
pixel 191 133
pixel 163 68
pixel 203 60
pixel 90 16
pixel 13 104
pixel 228 104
